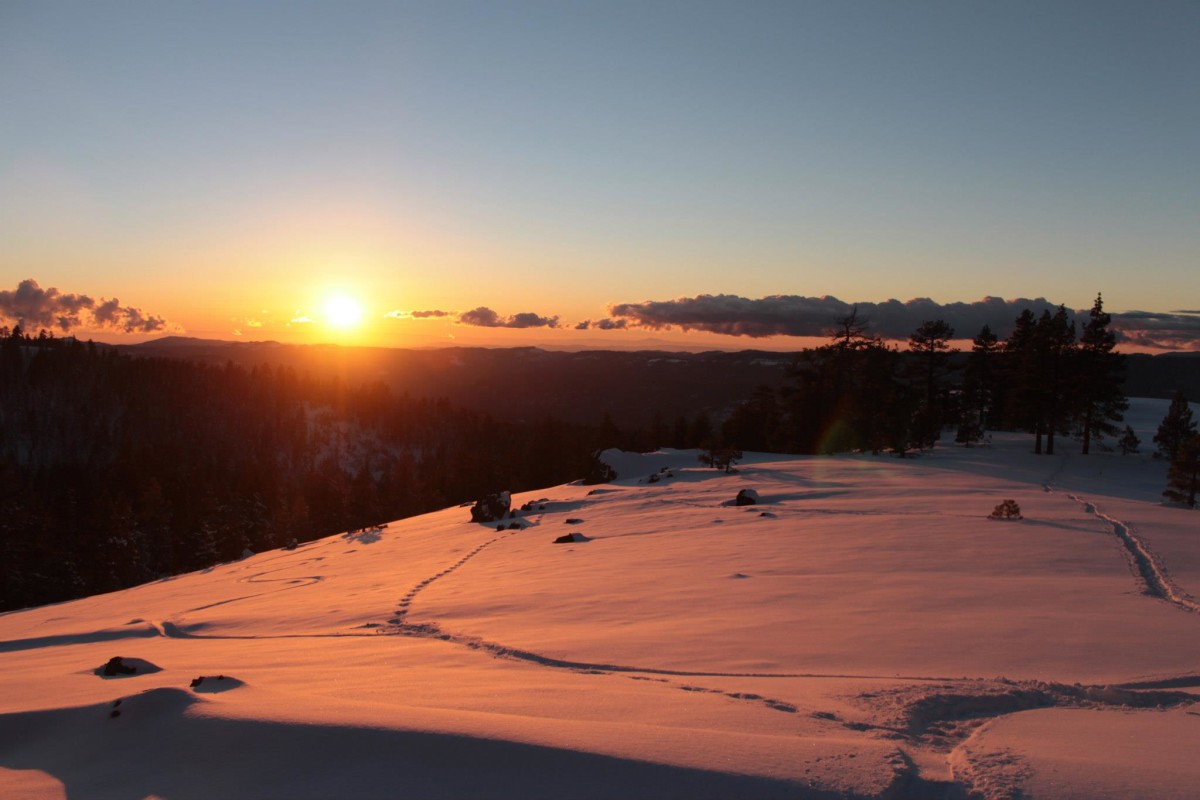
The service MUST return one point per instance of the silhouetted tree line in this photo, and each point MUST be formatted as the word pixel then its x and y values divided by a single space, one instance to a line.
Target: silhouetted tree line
pixel 859 393
pixel 117 470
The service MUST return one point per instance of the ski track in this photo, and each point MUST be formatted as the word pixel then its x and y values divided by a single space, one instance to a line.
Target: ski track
pixel 1151 572
pixel 429 630
pixel 1146 565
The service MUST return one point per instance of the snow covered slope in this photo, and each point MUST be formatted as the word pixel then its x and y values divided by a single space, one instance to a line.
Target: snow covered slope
pixel 864 631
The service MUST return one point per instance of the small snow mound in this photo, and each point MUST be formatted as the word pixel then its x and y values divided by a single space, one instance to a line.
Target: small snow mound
pixel 211 684
pixel 739 575
pixel 125 667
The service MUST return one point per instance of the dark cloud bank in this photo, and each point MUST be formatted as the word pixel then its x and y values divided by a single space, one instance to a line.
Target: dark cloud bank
pixel 794 315
pixel 485 317
pixel 33 307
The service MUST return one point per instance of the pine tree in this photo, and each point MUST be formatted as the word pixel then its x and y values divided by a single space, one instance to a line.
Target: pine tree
pixel 1183 478
pixel 1058 340
pixel 931 343
pixel 1175 427
pixel 981 388
pixel 1129 442
pixel 1100 373
pixel 1022 371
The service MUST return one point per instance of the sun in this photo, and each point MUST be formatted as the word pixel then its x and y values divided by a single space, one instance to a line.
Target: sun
pixel 342 311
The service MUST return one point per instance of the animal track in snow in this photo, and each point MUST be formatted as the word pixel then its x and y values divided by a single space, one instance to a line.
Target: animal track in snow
pixel 1152 573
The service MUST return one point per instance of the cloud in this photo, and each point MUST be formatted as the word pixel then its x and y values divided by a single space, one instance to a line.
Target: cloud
pixel 603 325
pixel 793 315
pixel 417 314
pixel 31 306
pixel 300 319
pixel 485 317
pixel 1176 330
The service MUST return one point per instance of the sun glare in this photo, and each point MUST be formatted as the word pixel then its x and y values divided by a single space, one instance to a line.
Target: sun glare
pixel 343 312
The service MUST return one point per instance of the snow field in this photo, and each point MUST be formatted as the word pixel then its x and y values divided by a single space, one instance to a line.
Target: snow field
pixel 865 631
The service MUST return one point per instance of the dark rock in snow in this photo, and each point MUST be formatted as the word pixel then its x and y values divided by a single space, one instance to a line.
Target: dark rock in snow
pixel 117 666
pixel 572 521
pixel 746 497
pixel 212 684
pixel 571 538
pixel 491 507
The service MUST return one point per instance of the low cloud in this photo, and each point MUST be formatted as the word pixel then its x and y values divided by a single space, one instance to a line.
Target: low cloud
pixel 485 317
pixel 31 306
pixel 1176 330
pixel 603 325
pixel 417 314
pixel 794 315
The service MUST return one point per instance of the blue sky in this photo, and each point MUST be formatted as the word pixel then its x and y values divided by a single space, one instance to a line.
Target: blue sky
pixel 217 161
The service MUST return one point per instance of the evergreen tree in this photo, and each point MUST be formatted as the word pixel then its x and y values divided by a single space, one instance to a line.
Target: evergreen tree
pixel 1057 338
pixel 931 343
pixel 1101 403
pixel 1183 478
pixel 1022 370
pixel 755 423
pixel 1129 442
pixel 981 386
pixel 1175 427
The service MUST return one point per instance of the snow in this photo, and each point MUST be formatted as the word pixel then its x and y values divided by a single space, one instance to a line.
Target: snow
pixel 864 631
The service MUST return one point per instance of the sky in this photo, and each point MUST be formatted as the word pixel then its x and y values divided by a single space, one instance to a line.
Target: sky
pixel 704 174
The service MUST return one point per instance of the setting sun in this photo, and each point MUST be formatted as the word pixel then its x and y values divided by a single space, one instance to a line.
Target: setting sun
pixel 342 311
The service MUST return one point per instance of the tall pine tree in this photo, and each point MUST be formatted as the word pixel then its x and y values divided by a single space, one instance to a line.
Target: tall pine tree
pixel 1176 426
pixel 1101 402
pixel 1183 479
pixel 931 344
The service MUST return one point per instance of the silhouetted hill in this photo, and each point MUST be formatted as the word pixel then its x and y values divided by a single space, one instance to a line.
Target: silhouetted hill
pixel 526 383
pixel 523 383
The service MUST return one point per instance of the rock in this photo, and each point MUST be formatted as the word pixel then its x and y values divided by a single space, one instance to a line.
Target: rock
pixel 197 681
pixel 746 497
pixel 492 507
pixel 571 538
pixel 572 521
pixel 515 526
pixel 117 666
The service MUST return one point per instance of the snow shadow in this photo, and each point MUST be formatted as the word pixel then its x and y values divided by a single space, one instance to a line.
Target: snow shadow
pixel 88 637
pixel 158 745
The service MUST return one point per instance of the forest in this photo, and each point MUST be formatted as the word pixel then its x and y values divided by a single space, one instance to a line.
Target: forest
pixel 117 470
pixel 859 393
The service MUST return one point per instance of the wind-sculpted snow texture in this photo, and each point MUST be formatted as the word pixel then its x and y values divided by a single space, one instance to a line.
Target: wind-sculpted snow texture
pixel 863 631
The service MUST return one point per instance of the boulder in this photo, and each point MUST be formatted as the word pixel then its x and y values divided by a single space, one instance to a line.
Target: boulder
pixel 746 497
pixel 571 538
pixel 492 507
pixel 117 666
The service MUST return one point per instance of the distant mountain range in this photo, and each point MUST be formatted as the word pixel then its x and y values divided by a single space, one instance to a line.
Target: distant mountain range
pixel 527 383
